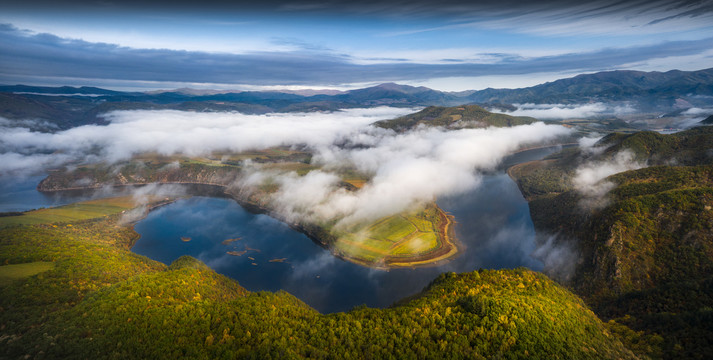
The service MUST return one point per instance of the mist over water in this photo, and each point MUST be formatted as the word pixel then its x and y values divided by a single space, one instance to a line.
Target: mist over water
pixel 493 223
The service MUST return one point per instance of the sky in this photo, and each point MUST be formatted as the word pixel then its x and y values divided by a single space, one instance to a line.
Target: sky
pixel 445 45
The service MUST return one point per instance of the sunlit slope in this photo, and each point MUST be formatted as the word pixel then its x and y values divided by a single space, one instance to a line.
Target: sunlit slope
pixel 73 212
pixel 646 252
pixel 457 117
pixel 102 301
pixel 421 235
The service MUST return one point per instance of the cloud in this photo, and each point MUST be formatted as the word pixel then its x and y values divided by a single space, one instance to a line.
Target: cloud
pixel 587 144
pixel 588 179
pixel 15 163
pixel 406 170
pixel 562 111
pixel 40 55
pixel 697 112
pixel 144 195
pixel 171 132
pixel 603 17
pixel 559 257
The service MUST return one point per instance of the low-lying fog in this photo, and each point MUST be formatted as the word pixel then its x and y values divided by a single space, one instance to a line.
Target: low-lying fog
pixel 406 169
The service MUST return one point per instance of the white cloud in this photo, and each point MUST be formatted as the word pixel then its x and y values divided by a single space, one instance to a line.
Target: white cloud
pixel 172 132
pixel 698 112
pixel 587 145
pixel 407 169
pixel 562 111
pixel 559 257
pixel 589 177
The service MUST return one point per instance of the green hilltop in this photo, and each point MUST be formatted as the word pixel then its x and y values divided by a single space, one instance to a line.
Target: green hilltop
pixel 456 117
pixel 100 300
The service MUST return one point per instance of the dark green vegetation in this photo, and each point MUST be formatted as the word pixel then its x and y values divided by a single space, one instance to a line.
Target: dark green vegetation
pixel 102 301
pixel 645 254
pixel 459 117
pixel 646 91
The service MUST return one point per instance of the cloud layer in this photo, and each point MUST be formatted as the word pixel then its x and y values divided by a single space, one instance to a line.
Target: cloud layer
pixel 405 169
pixel 572 111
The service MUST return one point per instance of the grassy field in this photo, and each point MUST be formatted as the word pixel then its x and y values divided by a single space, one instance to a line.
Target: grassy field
pixel 10 273
pixel 408 235
pixel 73 212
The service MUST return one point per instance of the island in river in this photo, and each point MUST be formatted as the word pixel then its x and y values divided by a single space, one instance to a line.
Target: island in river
pixel 420 236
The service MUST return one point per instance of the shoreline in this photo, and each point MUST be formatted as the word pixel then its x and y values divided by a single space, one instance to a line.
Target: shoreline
pixel 450 242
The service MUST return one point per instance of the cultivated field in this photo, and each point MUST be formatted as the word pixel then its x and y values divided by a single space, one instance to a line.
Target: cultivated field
pixel 73 212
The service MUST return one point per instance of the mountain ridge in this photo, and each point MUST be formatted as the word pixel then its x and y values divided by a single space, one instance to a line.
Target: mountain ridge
pixel 657 92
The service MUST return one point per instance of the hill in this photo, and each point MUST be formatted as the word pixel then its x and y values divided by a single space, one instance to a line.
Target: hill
pixel 99 300
pixel 644 251
pixel 458 117
pixel 395 95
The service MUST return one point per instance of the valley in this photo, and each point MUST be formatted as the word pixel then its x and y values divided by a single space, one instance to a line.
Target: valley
pixel 614 224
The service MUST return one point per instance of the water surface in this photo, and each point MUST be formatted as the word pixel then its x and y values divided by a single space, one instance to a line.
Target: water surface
pixel 20 194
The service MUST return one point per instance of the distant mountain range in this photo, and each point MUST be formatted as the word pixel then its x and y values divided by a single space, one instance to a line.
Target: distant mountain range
pixel 66 106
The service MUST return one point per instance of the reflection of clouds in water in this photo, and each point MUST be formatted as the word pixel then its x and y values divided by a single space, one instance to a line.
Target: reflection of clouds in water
pixel 314 266
pixel 218 263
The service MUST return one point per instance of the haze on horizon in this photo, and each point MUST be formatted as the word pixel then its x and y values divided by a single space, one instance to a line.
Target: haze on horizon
pixel 452 45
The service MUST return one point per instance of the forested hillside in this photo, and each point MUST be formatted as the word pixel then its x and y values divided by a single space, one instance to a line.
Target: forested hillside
pixel 645 247
pixel 99 300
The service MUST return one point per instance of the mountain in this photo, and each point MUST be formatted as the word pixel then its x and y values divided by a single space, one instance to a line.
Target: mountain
pixel 395 94
pixel 666 93
pixel 63 90
pixel 647 90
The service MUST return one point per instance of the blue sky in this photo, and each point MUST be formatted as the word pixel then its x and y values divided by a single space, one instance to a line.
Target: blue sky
pixel 452 45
